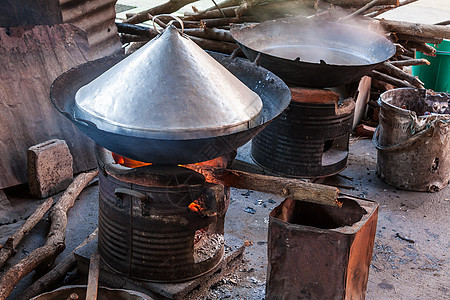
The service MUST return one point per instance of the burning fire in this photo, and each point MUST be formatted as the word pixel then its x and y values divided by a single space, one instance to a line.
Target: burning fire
pixel 206 168
pixel 201 167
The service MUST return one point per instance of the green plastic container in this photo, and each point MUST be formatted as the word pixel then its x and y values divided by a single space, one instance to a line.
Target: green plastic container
pixel 435 76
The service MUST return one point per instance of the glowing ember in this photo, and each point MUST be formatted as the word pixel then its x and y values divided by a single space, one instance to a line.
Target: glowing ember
pixel 201 167
pixel 128 162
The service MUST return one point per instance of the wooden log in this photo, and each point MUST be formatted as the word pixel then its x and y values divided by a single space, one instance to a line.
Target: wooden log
pixel 213 45
pixel 381 10
pixel 245 6
pixel 13 241
pixel 213 14
pixel 415 29
pixel 398 73
pixel 421 47
pixel 55 239
pixel 128 38
pixel 401 50
pixel 209 23
pixel 165 8
pixel 389 79
pixel 285 187
pixel 50 279
pixel 361 10
pixel 410 62
pixel 223 4
pixel 143 31
pixel 210 33
pixel 94 272
pixel 360 3
pixel 412 38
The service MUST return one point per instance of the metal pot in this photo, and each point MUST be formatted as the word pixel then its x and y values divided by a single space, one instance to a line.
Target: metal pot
pixel 138 145
pixel 311 53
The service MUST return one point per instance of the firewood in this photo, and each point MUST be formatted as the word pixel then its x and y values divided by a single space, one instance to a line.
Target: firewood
pixel 209 23
pixel 13 241
pixel 210 33
pixel 55 239
pixel 360 3
pixel 143 31
pixel 401 50
pixel 129 38
pixel 381 10
pixel 94 272
pixel 285 187
pixel 421 47
pixel 398 73
pixel 412 38
pixel 165 8
pixel 49 280
pixel 389 79
pixel 212 14
pixel 223 4
pixel 410 62
pixel 361 10
pixel 415 29
pixel 213 45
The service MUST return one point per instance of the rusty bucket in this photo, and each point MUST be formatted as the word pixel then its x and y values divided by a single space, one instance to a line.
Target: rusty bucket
pixel 413 139
pixel 320 252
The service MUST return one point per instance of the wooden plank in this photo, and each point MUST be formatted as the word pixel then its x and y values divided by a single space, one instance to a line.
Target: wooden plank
pixel 94 272
pixel 31 59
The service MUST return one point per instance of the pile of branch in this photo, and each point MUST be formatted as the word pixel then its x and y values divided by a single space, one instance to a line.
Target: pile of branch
pixel 55 243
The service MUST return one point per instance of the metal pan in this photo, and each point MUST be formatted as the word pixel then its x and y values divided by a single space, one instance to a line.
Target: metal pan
pixel 311 53
pixel 273 92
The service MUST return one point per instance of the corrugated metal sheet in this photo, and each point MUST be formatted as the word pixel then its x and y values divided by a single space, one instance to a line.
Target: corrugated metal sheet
pixel 96 18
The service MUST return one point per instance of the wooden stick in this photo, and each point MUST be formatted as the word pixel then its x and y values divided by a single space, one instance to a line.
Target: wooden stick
pixel 412 38
pixel 165 8
pixel 410 62
pixel 380 11
pixel 49 280
pixel 398 73
pixel 360 3
pixel 285 187
pixel 210 33
pixel 223 4
pixel 55 238
pixel 94 272
pixel 415 29
pixel 148 32
pixel 389 79
pixel 361 10
pixel 213 45
pixel 13 241
pixel 229 13
pixel 421 47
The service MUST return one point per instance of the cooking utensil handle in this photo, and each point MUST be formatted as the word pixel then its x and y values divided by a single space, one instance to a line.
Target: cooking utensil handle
pixel 145 199
pixel 168 24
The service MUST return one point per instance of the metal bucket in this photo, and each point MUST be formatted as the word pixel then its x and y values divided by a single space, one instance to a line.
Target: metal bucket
pixel 413 139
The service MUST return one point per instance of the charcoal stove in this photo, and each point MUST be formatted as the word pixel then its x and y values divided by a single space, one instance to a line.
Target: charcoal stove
pixel 311 137
pixel 159 223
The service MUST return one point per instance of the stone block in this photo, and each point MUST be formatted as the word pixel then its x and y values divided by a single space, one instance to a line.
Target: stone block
pixel 50 168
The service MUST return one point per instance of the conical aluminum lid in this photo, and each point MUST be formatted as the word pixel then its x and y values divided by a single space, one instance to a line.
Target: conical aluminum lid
pixel 169 88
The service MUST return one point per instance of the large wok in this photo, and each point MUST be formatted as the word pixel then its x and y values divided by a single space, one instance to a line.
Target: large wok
pixel 273 92
pixel 311 53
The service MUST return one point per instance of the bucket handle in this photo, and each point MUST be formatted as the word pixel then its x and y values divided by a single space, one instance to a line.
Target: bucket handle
pixel 400 145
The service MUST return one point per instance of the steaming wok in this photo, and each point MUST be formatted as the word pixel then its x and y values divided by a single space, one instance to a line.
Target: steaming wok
pixel 310 53
pixel 274 94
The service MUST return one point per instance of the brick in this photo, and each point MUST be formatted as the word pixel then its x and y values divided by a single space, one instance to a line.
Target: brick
pixel 50 168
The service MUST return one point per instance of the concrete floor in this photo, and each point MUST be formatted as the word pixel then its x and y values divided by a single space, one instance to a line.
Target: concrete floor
pixel 399 270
